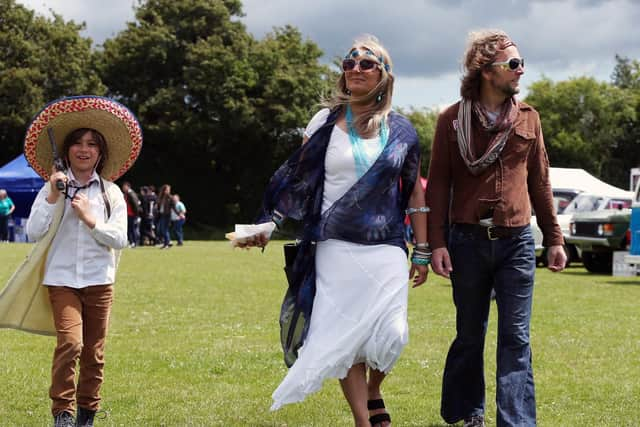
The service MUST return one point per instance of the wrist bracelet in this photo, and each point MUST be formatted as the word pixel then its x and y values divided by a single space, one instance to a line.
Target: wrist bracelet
pixel 420 261
pixel 421 209
pixel 422 245
pixel 277 218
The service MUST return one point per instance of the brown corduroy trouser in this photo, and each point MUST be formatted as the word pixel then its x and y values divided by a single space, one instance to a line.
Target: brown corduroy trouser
pixel 81 318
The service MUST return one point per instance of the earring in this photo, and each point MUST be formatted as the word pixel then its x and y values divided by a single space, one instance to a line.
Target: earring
pixel 348 92
pixel 379 98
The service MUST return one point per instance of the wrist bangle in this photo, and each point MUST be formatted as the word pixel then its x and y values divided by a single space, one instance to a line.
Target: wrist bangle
pixel 420 261
pixel 422 245
pixel 421 209
pixel 278 219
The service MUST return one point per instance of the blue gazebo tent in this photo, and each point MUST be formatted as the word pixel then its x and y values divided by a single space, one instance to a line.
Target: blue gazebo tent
pixel 22 184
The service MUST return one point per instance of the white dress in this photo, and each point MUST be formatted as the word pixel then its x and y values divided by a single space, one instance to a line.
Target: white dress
pixel 360 308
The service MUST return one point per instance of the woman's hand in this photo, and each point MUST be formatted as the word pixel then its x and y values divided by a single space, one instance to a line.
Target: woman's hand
pixel 419 274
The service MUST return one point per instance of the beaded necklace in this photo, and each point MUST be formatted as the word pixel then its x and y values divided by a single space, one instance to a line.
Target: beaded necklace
pixel 363 159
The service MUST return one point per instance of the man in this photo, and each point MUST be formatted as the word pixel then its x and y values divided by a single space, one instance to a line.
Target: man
pixel 147 226
pixel 134 210
pixel 487 164
pixel 178 217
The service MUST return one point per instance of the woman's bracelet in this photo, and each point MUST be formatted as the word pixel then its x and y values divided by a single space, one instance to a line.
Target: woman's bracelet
pixel 421 251
pixel 420 261
pixel 421 256
pixel 421 209
pixel 421 245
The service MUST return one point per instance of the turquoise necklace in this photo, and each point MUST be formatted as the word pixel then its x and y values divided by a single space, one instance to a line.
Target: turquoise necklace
pixel 363 159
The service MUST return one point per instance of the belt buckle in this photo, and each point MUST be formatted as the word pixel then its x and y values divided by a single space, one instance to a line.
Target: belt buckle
pixel 490 234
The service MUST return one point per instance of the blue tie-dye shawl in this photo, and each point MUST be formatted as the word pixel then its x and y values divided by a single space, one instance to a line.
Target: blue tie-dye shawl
pixel 371 212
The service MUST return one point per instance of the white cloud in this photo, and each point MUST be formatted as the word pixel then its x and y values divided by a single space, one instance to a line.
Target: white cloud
pixel 426 38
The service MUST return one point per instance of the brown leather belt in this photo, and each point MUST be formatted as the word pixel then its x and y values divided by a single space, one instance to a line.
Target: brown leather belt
pixel 493 232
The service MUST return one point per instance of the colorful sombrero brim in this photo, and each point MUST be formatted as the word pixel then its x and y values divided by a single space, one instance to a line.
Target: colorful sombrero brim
pixel 113 120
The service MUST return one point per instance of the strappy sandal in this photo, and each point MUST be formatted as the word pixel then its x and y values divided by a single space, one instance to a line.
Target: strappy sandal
pixel 378 418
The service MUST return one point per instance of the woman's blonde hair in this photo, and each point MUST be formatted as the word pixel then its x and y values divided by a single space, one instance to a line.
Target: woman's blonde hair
pixel 372 117
pixel 482 48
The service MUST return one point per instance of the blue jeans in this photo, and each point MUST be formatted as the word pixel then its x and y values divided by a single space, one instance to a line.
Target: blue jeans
pixel 133 233
pixel 177 229
pixel 508 266
pixel 163 229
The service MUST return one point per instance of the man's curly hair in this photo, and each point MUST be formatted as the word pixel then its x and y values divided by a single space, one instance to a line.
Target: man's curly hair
pixel 482 48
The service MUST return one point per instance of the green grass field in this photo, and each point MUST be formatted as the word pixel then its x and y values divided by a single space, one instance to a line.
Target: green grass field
pixel 194 341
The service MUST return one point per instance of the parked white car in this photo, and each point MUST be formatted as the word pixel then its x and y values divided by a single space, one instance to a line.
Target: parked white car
pixel 590 194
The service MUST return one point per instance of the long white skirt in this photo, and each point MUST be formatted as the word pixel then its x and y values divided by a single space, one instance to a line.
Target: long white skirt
pixel 359 315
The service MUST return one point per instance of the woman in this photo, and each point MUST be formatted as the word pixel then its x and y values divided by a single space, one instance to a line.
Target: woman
pixel 6 209
pixel 350 184
pixel 165 207
pixel 88 216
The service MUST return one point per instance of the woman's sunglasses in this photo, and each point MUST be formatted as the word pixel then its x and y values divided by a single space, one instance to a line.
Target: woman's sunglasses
pixel 512 64
pixel 365 65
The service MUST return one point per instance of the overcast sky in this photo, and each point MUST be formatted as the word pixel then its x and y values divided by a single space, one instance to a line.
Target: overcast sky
pixel 426 38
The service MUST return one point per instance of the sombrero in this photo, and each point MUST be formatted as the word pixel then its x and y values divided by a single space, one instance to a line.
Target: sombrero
pixel 113 120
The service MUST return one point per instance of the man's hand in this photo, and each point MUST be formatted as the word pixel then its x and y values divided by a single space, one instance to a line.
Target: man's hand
pixel 556 258
pixel 441 262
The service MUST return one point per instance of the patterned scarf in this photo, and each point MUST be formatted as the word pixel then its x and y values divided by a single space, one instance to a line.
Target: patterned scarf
pixel 501 127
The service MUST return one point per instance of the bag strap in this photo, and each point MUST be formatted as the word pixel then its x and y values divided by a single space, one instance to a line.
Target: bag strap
pixel 107 205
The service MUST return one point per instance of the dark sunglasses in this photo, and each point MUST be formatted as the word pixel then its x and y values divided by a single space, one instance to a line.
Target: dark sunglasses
pixel 511 64
pixel 365 64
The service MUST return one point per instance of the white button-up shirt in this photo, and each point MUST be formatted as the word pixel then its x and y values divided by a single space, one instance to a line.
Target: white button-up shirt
pixel 79 256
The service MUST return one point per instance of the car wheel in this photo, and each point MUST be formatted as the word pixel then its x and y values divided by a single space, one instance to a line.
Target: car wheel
pixel 598 262
pixel 567 253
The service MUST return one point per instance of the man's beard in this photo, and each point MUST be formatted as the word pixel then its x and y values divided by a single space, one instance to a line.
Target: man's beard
pixel 509 90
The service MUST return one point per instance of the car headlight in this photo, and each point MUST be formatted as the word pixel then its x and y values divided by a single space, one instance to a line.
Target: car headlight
pixel 607 229
pixel 572 228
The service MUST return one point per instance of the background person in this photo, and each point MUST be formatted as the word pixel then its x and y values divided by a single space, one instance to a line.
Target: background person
pixel 82 258
pixel 178 217
pixel 6 209
pixel 134 210
pixel 488 165
pixel 352 255
pixel 147 223
pixel 165 207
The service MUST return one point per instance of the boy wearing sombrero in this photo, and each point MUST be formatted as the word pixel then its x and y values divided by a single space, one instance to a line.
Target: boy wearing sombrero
pixel 98 139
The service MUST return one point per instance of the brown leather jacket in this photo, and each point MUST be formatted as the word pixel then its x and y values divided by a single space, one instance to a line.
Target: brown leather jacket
pixel 508 187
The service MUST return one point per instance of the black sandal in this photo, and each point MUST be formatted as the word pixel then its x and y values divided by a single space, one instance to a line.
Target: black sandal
pixel 378 418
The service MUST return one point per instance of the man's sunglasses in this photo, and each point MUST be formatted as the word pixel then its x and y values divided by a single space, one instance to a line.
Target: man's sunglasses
pixel 365 64
pixel 511 64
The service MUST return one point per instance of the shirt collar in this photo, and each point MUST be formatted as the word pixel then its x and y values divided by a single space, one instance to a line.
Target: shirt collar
pixel 72 179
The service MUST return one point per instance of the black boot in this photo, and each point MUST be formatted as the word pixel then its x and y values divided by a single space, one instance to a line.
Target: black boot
pixel 85 417
pixel 63 419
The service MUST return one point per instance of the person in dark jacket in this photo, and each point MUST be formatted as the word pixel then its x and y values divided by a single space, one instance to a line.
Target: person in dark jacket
pixel 134 210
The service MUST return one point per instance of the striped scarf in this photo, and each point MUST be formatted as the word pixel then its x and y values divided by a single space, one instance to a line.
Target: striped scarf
pixel 501 127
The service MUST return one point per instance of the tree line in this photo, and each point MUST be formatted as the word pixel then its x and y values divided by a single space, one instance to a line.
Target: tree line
pixel 220 109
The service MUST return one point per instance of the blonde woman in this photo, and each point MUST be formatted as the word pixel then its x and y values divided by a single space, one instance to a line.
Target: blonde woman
pixel 351 183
